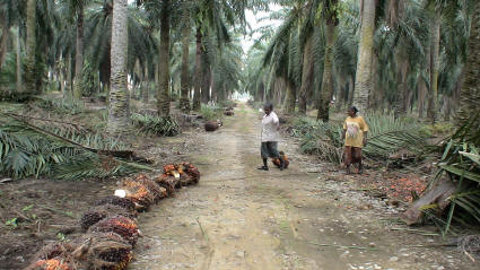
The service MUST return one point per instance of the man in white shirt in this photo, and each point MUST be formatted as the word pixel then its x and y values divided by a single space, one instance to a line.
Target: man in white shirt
pixel 270 137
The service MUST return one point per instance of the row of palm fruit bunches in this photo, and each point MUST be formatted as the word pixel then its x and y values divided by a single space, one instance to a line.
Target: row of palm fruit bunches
pixel 110 226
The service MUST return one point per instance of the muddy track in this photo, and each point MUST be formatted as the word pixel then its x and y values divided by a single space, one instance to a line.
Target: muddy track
pixel 242 218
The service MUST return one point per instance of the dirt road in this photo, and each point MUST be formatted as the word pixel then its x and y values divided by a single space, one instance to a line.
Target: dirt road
pixel 242 218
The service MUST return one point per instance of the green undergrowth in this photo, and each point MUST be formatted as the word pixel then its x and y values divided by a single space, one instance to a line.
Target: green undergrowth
pixel 59 105
pixel 386 137
pixel 155 125
pixel 211 112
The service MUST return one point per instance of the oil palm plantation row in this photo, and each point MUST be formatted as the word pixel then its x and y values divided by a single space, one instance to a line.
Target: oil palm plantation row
pixel 186 49
pixel 388 56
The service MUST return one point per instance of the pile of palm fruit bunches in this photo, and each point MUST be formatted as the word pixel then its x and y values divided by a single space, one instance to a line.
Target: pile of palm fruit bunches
pixel 110 226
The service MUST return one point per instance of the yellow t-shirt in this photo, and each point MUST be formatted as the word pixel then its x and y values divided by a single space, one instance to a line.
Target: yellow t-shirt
pixel 355 127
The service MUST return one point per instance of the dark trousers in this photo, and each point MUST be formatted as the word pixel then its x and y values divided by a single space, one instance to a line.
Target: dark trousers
pixel 269 150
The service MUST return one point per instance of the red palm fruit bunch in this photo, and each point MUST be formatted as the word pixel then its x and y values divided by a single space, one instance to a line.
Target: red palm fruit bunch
pixel 136 192
pixel 54 250
pixel 57 263
pixel 108 251
pixel 189 173
pixel 97 213
pixel 158 191
pixel 277 162
pixel 125 227
pixel 115 200
pixel 170 179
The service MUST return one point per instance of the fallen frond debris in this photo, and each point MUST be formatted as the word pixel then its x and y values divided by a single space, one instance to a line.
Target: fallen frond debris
pixel 34 150
pixel 453 196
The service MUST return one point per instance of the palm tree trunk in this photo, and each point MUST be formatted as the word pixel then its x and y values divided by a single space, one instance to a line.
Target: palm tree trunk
pixel 447 100
pixel 342 85
pixel 363 80
pixel 351 90
pixel 118 109
pixel 68 70
pixel 291 96
pixel 163 97
pixel 434 67
pixel 30 77
pixel 327 81
pixel 205 77
pixel 77 87
pixel 4 39
pixel 307 76
pixel 185 76
pixel 402 91
pixel 146 86
pixel 198 72
pixel 470 92
pixel 19 60
pixel 422 92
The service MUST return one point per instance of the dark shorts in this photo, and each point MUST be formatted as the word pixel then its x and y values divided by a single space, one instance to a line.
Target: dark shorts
pixel 269 150
pixel 352 155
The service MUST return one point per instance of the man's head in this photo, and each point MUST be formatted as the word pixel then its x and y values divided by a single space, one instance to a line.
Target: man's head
pixel 352 111
pixel 268 108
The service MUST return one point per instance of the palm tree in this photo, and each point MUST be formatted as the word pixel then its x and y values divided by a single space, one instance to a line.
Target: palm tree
pixel 163 97
pixel 331 22
pixel 434 61
pixel 470 92
pixel 185 70
pixel 31 43
pixel 197 78
pixel 4 36
pixel 364 79
pixel 119 111
pixel 77 7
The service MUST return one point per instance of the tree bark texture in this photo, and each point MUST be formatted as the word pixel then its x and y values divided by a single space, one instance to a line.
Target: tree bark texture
pixel 206 77
pixel 470 92
pixel 327 81
pixel 118 109
pixel 146 86
pixel 422 93
pixel 77 80
pixel 291 96
pixel 18 51
pixel 197 83
pixel 4 38
pixel 185 83
pixel 307 76
pixel 364 80
pixel 163 97
pixel 432 110
pixel 31 45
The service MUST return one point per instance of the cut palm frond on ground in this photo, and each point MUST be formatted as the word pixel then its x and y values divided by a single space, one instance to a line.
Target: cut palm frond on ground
pixel 461 163
pixel 387 136
pixel 27 150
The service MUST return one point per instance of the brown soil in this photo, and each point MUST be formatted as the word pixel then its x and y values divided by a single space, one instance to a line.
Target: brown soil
pixel 310 216
pixel 45 211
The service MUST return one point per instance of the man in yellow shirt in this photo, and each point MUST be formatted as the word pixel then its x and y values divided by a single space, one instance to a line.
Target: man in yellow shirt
pixel 355 131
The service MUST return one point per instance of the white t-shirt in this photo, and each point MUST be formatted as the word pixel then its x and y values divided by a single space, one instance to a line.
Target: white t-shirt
pixel 270 124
